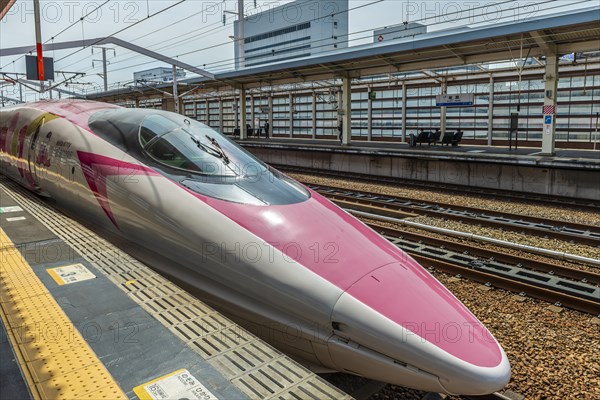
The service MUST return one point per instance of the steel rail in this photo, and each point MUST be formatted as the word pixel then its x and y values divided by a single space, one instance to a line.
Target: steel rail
pixel 560 201
pixel 584 276
pixel 575 295
pixel 566 231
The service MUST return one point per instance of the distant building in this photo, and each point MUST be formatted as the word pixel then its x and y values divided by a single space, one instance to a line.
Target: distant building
pixel 398 31
pixel 159 74
pixel 298 29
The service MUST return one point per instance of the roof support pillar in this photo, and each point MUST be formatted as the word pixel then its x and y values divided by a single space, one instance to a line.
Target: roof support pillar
pixel 346 108
pixel 176 106
pixel 369 116
pixel 550 95
pixel 242 113
pixel 270 116
pixel 404 101
pixel 221 126
pixel 291 116
pixel 252 115
pixel 443 109
pixel 314 115
pixel 491 113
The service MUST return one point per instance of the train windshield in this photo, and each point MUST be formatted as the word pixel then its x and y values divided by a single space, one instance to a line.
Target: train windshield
pixel 196 156
pixel 184 147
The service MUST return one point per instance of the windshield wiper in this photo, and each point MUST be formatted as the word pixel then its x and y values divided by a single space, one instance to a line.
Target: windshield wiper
pixel 216 144
pixel 213 152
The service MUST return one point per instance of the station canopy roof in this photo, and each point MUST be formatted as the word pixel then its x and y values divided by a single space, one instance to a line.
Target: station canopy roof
pixel 533 37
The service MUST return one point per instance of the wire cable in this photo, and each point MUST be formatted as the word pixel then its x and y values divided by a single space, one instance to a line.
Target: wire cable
pixel 227 62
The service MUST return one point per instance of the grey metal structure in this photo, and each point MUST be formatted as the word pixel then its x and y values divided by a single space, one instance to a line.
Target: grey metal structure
pixel 399 31
pixel 108 40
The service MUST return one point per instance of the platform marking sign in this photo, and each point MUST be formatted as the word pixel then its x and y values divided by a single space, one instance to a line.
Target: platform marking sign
pixel 15 219
pixel 176 385
pixel 70 274
pixel 6 210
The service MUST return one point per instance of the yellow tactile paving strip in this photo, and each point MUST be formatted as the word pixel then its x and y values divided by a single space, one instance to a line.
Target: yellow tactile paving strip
pixel 55 359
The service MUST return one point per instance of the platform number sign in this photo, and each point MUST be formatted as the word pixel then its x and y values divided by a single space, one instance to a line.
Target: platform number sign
pixel 70 274
pixel 176 385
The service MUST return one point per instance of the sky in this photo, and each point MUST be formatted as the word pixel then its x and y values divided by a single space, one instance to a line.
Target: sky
pixel 193 31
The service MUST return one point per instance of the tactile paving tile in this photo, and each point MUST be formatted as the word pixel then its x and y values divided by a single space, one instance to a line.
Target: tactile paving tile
pixel 79 383
pixel 56 360
pixel 253 366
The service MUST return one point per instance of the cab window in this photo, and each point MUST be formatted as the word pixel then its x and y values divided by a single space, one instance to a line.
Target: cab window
pixel 155 126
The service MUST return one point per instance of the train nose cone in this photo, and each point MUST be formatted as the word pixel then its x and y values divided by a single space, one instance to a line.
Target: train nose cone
pixel 400 317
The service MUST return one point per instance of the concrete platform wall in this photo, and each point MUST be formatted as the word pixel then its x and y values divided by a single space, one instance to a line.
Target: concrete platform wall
pixel 569 182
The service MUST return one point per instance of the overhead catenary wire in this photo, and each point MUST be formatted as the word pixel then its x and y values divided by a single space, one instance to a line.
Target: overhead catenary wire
pixel 177 38
pixel 223 64
pixel 369 30
pixel 127 27
pixel 467 47
pixel 180 42
pixel 226 62
pixel 54 36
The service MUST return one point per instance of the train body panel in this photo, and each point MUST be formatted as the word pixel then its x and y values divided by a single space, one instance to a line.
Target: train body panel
pixel 257 244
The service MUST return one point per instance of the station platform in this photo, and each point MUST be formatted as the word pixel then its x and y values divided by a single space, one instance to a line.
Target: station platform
pixel 522 155
pixel 82 319
pixel 488 167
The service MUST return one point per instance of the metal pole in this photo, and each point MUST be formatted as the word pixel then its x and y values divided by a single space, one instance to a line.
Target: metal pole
pixel 242 114
pixel 252 115
pixel 291 115
pixel 313 122
pixel 550 102
pixel 596 132
pixel 20 92
pixel 38 41
pixel 270 117
pixel 104 70
pixel 240 38
pixel 404 102
pixel 490 132
pixel 443 110
pixel 347 111
pixel 369 115
pixel 175 92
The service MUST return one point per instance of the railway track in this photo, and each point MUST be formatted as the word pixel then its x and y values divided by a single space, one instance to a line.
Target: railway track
pixel 571 288
pixel 587 205
pixel 406 207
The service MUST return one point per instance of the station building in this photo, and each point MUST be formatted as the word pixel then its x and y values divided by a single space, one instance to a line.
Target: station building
pixel 298 29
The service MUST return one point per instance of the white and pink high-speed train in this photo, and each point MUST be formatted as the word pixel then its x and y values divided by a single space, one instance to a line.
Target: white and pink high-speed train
pixel 257 244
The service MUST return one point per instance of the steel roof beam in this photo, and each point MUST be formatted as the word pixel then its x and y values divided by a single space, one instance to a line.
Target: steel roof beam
pixel 541 39
pixel 5 5
pixel 107 40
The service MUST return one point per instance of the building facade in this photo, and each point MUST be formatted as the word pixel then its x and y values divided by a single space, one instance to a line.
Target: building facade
pixel 298 29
